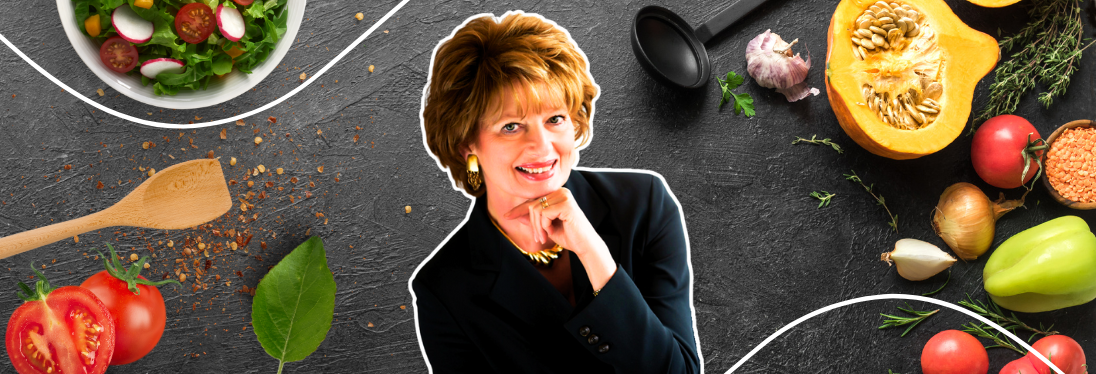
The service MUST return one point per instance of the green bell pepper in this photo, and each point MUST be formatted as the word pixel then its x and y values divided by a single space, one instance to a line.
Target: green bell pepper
pixel 1047 267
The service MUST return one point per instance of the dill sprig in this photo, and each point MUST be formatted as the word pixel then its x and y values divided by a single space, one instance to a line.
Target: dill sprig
pixel 1050 55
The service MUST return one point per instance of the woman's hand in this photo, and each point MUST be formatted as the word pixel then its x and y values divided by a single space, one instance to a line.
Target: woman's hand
pixel 557 217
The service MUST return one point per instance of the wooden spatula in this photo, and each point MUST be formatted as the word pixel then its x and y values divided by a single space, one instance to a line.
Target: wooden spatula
pixel 182 196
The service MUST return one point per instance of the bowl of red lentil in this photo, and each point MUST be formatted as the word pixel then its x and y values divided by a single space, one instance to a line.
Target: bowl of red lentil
pixel 1071 165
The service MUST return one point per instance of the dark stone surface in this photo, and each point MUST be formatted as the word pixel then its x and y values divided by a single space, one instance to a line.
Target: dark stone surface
pixel 763 254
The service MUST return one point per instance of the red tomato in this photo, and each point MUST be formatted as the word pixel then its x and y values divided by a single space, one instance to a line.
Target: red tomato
pixel 997 151
pixel 66 330
pixel 244 2
pixel 954 352
pixel 1061 350
pixel 195 22
pixel 1021 365
pixel 139 319
pixel 118 55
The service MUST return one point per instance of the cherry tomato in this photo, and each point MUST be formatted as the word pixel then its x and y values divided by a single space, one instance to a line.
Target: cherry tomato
pixel 954 352
pixel 244 2
pixel 997 151
pixel 1061 350
pixel 139 319
pixel 195 22
pixel 118 55
pixel 66 330
pixel 1021 365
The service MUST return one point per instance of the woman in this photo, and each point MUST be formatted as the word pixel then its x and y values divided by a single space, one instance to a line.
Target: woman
pixel 554 269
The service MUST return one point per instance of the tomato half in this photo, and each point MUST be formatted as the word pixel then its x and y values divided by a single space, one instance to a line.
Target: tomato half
pixel 244 2
pixel 68 331
pixel 139 319
pixel 954 352
pixel 118 55
pixel 195 22
pixel 997 151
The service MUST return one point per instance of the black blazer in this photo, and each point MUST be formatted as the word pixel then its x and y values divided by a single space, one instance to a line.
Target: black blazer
pixel 480 306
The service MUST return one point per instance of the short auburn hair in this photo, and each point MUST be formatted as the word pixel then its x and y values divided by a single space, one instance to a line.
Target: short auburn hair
pixel 479 61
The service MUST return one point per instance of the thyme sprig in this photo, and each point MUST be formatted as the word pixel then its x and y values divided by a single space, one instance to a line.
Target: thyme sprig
pixel 894 321
pixel 982 330
pixel 824 196
pixel 1050 55
pixel 878 198
pixel 814 140
pixel 1010 322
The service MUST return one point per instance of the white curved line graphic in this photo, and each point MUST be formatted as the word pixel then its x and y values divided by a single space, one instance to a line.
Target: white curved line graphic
pixel 893 297
pixel 210 123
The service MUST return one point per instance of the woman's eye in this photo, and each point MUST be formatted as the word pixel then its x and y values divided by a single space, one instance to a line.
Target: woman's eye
pixel 556 119
pixel 510 127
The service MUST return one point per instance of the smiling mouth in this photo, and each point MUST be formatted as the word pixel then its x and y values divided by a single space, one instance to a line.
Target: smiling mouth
pixel 539 170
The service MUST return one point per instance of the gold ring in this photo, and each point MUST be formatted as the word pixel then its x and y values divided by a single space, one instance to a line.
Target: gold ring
pixel 544 202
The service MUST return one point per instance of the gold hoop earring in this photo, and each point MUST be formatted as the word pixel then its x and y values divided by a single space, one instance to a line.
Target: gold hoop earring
pixel 474 177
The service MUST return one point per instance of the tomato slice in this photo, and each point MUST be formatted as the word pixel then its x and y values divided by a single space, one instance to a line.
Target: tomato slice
pixel 118 55
pixel 244 2
pixel 194 23
pixel 67 331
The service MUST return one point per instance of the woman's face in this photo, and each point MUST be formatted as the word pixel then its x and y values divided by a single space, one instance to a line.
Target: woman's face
pixel 525 151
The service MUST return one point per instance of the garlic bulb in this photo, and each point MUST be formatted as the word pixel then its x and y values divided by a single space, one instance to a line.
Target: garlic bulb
pixel 770 62
pixel 917 260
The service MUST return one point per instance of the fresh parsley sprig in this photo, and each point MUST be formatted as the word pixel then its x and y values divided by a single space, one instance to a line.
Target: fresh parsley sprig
pixel 743 102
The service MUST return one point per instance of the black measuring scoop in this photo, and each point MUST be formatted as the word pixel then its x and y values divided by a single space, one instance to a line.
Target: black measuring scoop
pixel 671 52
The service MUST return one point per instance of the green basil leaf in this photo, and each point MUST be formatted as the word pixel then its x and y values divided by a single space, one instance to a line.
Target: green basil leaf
pixel 294 304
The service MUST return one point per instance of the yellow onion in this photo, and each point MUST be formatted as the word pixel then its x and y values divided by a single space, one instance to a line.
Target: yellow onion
pixel 965 219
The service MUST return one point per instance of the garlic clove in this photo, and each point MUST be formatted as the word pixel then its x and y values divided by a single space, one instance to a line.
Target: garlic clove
pixel 917 260
pixel 798 91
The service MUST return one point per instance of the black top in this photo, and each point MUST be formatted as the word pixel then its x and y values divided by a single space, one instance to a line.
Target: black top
pixel 480 305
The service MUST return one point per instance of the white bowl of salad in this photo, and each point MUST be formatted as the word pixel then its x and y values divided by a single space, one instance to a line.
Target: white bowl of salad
pixel 181 54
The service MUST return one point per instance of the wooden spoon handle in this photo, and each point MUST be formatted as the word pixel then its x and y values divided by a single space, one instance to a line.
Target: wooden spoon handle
pixel 15 244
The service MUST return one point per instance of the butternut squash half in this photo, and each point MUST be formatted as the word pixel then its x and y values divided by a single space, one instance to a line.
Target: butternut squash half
pixel 900 75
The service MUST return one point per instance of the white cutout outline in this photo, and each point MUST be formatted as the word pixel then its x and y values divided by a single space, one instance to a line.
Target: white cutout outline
pixel 892 297
pixel 211 123
pixel 468 214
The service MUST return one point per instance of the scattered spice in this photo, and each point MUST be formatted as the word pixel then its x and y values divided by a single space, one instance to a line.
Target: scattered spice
pixel 224 133
pixel 240 122
pixel 182 277
pixel 280 171
pixel 1070 166
pixel 258 140
pixel 304 76
pixel 144 145
pixel 370 68
pixel 232 161
pixel 262 169
pixel 151 172
pixel 170 244
pixel 76 238
pixel 272 119
pixel 101 93
pixel 133 257
pixel 407 209
pixel 359 16
pixel 320 169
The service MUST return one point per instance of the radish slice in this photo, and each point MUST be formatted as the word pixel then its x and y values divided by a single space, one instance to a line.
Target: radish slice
pixel 154 67
pixel 230 22
pixel 130 26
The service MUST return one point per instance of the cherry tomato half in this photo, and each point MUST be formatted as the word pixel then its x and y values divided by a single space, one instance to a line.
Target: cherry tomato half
pixel 118 55
pixel 139 319
pixel 244 2
pixel 195 22
pixel 68 331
